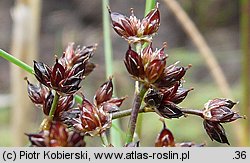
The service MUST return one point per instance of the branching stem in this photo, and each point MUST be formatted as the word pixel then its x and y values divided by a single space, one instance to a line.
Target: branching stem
pixel 127 112
pixel 134 113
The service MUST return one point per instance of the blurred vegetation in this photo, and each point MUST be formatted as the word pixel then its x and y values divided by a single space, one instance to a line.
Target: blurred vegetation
pixel 64 21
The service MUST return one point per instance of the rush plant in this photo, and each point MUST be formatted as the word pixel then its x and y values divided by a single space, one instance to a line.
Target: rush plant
pixel 159 89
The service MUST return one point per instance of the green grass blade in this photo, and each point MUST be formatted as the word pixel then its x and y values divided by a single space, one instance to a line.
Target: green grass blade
pixel 114 133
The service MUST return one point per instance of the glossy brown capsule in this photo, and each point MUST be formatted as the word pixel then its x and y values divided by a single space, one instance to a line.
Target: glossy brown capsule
pixel 165 138
pixel 43 97
pixel 57 136
pixel 133 29
pixel 219 110
pixel 93 119
pixel 215 131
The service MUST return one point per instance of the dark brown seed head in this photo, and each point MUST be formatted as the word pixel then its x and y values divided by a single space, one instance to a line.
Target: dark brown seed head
pixel 122 25
pixel 133 63
pixel 153 98
pixel 170 76
pixel 180 95
pixel 93 120
pixel 219 110
pixel 42 73
pixel 57 136
pixel 37 93
pixel 68 71
pixel 155 69
pixel 169 110
pixel 151 22
pixel 104 92
pixel 215 131
pixel 165 138
pixel 112 105
pixel 73 56
pixel 133 29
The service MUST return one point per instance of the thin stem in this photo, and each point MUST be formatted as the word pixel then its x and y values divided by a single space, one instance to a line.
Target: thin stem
pixel 127 112
pixel 114 134
pixel 193 112
pixel 134 113
pixel 54 105
pixel 26 67
pixel 104 139
pixel 16 61
pixel 138 47
pixel 149 5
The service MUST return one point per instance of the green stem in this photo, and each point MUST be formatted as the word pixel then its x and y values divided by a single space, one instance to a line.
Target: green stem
pixel 78 99
pixel 134 114
pixel 245 42
pixel 104 139
pixel 16 61
pixel 107 40
pixel 150 4
pixel 26 67
pixel 114 134
pixel 54 106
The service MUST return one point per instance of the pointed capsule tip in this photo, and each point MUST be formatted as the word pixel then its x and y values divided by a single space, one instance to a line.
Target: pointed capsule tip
pixel 132 11
pixel 26 78
pixel 110 78
pixel 95 46
pixel 189 66
pixel 165 44
pixel 125 97
pixel 56 58
pixel 191 89
pixel 157 5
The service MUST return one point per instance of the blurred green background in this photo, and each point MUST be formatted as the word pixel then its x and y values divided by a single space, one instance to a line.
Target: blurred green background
pixel 80 21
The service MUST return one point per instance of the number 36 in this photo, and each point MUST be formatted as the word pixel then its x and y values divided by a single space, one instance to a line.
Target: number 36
pixel 240 155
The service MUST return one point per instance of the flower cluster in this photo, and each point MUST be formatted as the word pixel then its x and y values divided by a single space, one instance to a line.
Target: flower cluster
pixel 136 30
pixel 164 82
pixel 165 101
pixel 93 119
pixel 150 67
pixel 43 98
pixel 57 87
pixel 218 111
pixel 158 84
pixel 57 136
pixel 68 71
